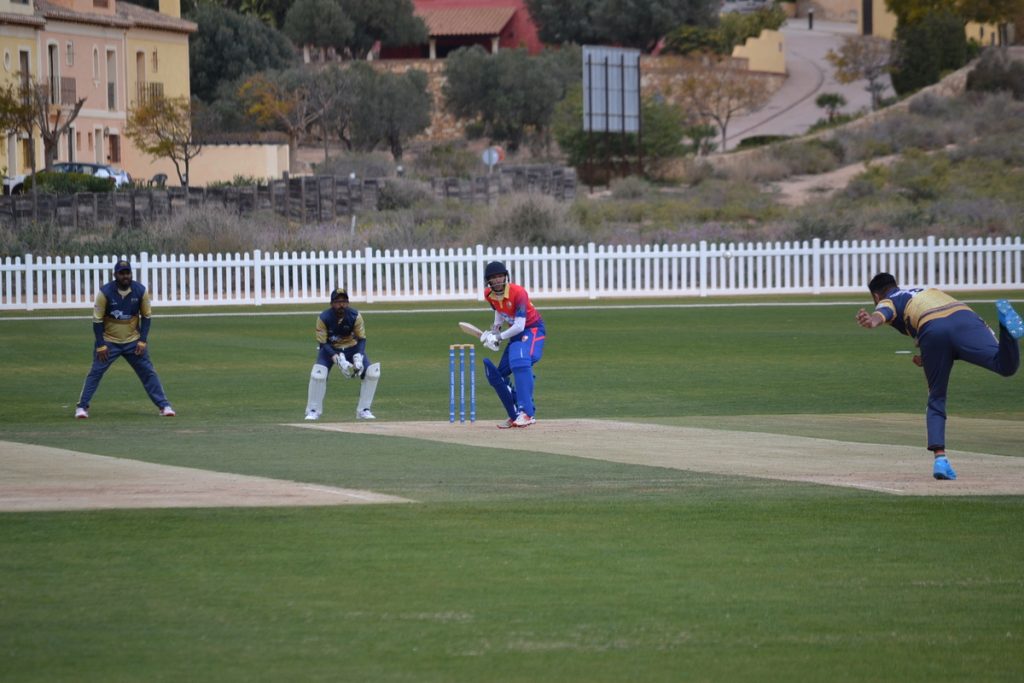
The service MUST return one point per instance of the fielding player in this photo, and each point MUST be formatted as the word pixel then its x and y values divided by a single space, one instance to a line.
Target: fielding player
pixel 341 334
pixel 525 337
pixel 946 330
pixel 120 322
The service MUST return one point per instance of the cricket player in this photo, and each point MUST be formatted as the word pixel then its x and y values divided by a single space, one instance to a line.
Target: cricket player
pixel 945 330
pixel 121 317
pixel 341 336
pixel 524 332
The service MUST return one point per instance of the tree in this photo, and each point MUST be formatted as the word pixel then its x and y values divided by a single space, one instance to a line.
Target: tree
pixel 627 23
pixel 229 47
pixel 927 48
pixel 390 22
pixel 509 93
pixel 318 24
pixel 719 93
pixel 162 128
pixel 663 131
pixel 863 57
pixel 333 100
pixel 281 99
pixel 830 102
pixel 733 29
pixel 392 108
pixel 982 11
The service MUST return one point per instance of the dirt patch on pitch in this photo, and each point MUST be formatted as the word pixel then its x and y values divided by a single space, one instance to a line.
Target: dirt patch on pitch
pixel 41 478
pixel 901 470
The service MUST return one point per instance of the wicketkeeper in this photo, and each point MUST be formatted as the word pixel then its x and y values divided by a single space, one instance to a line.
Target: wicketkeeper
pixel 341 336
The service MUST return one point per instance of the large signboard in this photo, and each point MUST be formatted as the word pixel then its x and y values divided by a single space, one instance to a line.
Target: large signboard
pixel 611 89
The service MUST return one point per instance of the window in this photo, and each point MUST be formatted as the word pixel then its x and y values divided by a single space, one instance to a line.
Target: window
pixel 69 55
pixel 96 64
pixel 53 66
pixel 156 61
pixel 7 60
pixel 111 80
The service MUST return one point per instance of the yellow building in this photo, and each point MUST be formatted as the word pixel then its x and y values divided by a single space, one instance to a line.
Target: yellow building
pixel 107 53
pixel 18 28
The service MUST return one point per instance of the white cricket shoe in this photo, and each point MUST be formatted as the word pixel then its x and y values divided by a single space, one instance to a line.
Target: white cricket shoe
pixel 312 416
pixel 81 414
pixel 167 411
pixel 523 420
pixel 507 424
pixel 365 414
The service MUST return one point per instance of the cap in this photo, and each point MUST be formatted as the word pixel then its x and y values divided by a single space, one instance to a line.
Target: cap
pixel 339 293
pixel 122 265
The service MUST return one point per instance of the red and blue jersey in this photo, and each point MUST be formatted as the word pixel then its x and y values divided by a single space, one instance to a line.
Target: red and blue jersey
pixel 513 303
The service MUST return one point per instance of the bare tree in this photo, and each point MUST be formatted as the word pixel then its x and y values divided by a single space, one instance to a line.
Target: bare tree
pixel 52 119
pixel 719 93
pixel 162 128
pixel 863 57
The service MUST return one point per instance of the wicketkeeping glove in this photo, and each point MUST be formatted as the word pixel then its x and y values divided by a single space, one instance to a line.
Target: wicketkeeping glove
pixel 347 369
pixel 357 361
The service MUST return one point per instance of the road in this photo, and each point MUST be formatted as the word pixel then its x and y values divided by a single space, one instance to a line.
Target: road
pixel 791 110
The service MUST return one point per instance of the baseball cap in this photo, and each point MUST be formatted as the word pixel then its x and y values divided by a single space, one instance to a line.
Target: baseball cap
pixel 339 293
pixel 122 265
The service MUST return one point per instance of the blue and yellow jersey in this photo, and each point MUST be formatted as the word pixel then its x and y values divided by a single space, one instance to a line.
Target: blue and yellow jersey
pixel 514 302
pixel 121 316
pixel 909 310
pixel 341 333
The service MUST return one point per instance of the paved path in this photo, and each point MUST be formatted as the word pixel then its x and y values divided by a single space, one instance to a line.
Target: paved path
pixel 792 110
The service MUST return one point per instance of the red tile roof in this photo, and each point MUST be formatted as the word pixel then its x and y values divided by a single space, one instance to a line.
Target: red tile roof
pixel 466 21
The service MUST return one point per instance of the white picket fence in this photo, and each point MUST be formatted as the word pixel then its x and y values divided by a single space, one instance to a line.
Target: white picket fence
pixel 586 271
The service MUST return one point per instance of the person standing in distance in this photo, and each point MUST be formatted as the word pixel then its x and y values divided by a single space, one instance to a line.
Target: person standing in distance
pixel 945 330
pixel 525 336
pixel 121 317
pixel 341 336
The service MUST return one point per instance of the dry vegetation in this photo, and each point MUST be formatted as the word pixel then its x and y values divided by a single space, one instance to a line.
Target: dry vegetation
pixel 942 166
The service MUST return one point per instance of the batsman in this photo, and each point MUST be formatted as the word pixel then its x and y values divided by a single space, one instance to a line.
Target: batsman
pixel 524 332
pixel 341 336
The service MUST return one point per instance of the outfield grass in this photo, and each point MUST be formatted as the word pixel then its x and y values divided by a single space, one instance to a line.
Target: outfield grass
pixel 515 566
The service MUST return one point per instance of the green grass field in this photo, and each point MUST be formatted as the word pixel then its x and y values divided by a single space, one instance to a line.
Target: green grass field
pixel 512 565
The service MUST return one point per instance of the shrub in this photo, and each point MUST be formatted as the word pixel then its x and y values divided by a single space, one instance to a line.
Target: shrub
pixel 363 165
pixel 996 71
pixel 447 160
pixel 813 156
pixel 760 141
pixel 630 187
pixel 400 193
pixel 532 219
pixel 68 183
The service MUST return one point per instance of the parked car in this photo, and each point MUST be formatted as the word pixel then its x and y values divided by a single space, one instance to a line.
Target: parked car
pixel 16 184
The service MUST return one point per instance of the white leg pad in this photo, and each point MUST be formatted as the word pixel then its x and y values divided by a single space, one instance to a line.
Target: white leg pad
pixel 368 387
pixel 317 389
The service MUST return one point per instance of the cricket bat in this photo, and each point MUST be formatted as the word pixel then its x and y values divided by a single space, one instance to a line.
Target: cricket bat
pixel 471 329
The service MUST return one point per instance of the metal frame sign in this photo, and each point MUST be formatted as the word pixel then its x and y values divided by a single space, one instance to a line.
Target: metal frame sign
pixel 611 89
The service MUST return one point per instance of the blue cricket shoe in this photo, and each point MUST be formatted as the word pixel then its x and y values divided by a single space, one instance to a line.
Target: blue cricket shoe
pixel 1010 319
pixel 942 469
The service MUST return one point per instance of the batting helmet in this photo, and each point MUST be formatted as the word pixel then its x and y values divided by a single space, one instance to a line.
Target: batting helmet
pixel 495 268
